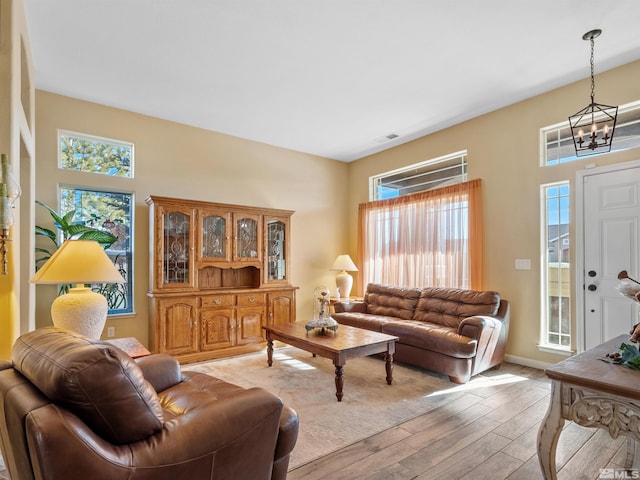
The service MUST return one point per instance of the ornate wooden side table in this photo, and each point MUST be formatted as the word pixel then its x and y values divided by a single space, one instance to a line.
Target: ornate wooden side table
pixel 591 393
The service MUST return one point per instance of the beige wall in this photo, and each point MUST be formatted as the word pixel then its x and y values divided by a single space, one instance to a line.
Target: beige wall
pixel 185 162
pixel 503 150
pixel 181 161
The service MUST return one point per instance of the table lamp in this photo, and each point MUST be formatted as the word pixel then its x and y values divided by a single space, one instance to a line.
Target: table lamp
pixel 79 262
pixel 344 281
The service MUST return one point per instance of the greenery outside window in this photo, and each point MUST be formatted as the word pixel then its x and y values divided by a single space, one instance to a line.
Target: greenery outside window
pixel 556 287
pixel 91 154
pixel 111 212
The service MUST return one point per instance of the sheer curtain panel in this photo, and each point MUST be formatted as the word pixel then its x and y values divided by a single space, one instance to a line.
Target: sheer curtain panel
pixel 427 239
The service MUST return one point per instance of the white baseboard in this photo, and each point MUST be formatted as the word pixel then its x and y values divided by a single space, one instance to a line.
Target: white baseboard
pixel 527 362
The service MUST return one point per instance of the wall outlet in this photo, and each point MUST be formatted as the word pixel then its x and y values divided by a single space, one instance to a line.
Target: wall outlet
pixel 111 332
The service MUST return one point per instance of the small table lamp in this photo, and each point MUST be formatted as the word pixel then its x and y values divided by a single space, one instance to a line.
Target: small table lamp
pixel 79 262
pixel 344 281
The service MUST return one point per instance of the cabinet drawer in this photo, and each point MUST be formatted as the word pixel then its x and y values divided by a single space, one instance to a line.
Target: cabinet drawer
pixel 250 299
pixel 212 301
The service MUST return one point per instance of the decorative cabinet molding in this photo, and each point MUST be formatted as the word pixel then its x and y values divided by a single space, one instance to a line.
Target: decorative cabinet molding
pixel 219 273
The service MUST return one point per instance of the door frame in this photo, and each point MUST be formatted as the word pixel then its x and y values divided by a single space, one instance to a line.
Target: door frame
pixel 579 270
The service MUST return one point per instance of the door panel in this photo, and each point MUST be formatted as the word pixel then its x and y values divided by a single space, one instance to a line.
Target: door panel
pixel 611 233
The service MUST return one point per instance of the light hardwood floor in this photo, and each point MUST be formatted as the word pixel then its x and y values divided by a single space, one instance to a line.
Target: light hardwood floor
pixel 489 433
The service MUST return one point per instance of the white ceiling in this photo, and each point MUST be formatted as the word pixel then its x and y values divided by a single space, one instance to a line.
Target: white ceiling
pixel 326 77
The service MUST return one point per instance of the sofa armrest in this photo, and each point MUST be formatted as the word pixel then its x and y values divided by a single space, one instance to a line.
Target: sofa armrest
pixel 162 371
pixel 350 306
pixel 473 327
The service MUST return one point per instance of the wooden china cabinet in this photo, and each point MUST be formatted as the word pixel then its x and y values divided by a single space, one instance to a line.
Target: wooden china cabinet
pixel 218 274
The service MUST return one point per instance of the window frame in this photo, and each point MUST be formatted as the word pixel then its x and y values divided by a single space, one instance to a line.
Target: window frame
pixel 633 107
pixel 130 280
pixel 545 263
pixel 96 139
pixel 375 180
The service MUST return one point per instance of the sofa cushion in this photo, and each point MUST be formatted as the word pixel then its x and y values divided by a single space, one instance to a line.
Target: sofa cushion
pixel 363 320
pixel 391 301
pixel 449 306
pixel 72 370
pixel 432 337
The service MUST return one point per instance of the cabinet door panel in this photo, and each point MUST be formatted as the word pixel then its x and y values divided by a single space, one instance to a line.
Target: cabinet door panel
pixel 247 237
pixel 174 253
pixel 217 327
pixel 178 332
pixel 214 235
pixel 276 249
pixel 249 325
pixel 282 307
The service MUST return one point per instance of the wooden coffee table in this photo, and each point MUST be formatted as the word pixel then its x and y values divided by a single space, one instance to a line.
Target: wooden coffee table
pixel 347 342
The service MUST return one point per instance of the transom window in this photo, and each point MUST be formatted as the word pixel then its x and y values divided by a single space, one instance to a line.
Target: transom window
pixel 557 142
pixel 420 177
pixel 87 153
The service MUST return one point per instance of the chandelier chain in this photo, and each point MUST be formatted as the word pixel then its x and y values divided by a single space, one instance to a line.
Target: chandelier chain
pixel 593 83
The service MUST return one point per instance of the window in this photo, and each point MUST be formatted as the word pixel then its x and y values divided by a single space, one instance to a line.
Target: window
pixel 113 213
pixel 105 209
pixel 436 173
pixel 428 239
pixel 86 153
pixel 556 288
pixel 557 143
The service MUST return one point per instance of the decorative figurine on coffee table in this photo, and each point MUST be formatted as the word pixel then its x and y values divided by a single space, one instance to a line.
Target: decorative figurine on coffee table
pixel 321 312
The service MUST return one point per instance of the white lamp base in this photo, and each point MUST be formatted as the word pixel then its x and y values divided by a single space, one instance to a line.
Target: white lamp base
pixel 344 282
pixel 81 310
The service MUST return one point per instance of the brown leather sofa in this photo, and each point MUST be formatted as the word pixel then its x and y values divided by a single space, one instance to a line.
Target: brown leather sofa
pixel 75 408
pixel 459 333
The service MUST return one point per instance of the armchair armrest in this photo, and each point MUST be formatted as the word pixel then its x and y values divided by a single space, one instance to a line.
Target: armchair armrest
pixel 204 439
pixel 160 370
pixel 350 306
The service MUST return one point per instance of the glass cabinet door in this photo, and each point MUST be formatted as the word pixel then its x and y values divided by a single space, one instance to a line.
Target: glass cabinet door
pixel 276 250
pixel 176 251
pixel 247 240
pixel 214 237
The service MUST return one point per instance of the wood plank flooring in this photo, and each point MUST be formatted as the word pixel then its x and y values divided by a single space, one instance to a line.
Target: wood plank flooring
pixel 488 433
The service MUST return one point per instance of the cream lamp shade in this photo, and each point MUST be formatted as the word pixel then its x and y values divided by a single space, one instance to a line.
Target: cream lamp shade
pixel 344 281
pixel 79 262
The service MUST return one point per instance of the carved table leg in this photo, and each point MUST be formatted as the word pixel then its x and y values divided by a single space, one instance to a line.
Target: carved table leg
pixel 339 382
pixel 549 433
pixel 269 351
pixel 388 361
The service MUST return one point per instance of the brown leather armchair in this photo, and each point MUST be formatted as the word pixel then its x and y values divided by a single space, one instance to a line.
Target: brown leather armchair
pixel 76 408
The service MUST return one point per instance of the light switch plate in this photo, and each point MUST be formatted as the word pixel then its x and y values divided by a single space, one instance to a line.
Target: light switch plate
pixel 523 264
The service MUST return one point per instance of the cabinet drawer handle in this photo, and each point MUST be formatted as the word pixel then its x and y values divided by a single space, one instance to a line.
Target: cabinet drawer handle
pixel 252 299
pixel 217 301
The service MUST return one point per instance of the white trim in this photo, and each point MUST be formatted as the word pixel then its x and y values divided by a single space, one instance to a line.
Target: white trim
pixel 527 362
pixel 94 138
pixel 581 175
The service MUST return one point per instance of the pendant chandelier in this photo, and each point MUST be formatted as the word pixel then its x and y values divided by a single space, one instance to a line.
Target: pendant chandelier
pixel 593 127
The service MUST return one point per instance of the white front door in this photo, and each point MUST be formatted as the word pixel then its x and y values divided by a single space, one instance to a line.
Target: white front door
pixel 611 231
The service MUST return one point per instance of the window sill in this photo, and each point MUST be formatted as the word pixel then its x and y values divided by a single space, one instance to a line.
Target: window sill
pixel 555 349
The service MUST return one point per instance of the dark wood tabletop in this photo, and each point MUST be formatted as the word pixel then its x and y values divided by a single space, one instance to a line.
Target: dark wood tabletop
pixel 587 370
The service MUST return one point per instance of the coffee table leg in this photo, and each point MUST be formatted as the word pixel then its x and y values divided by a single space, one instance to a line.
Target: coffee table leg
pixel 388 363
pixel 269 351
pixel 339 382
